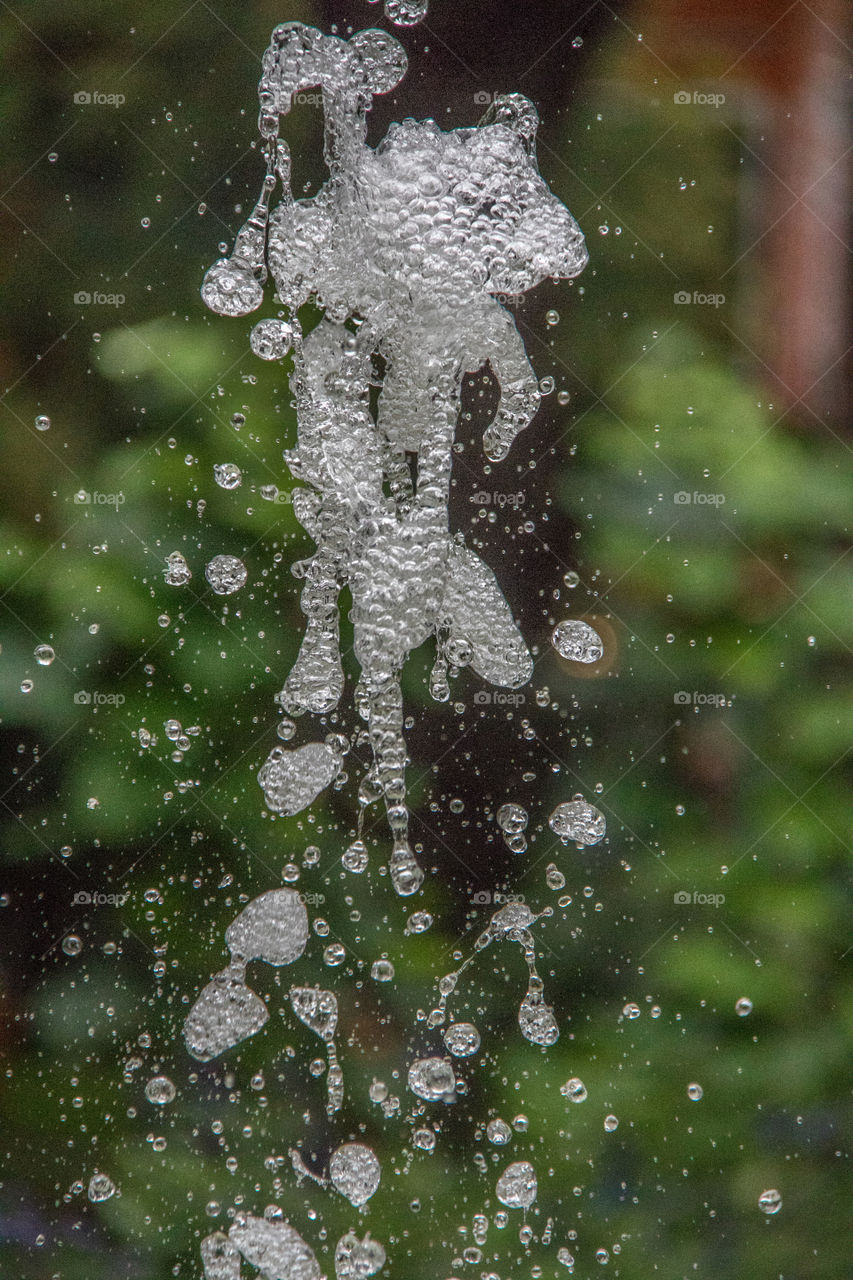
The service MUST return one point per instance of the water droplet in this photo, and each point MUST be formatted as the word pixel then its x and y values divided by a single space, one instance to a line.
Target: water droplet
pixel 743 1007
pixel 160 1090
pixel 516 1187
pixel 577 641
pixel 770 1202
pixel 44 655
pixel 72 945
pixel 462 1039
pixel 227 475
pixel 226 574
pixel 355 1172
pixel 574 1089
pixel 578 821
pixel 101 1187
pixel 610 1123
pixel 511 818
pixel 382 971
pixel 42 422
pixel 694 1092
pixel 177 572
pixel 271 339
pixel 432 1079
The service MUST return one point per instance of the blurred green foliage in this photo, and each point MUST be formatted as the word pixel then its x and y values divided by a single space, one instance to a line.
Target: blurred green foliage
pixel 741 601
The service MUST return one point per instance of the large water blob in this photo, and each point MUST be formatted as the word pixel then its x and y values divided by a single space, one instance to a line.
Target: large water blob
pixel 404 247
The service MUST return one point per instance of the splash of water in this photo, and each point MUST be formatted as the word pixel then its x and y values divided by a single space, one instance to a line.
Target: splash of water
pixel 404 248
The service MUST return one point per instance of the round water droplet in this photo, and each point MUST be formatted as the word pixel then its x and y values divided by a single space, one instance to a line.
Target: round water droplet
pixel 498 1132
pixel 694 1092
pixel 27 686
pixel 511 818
pixel 770 1202
pixel 101 1187
pixel 227 475
pixel 355 859
pixel 631 1011
pixel 226 574
pixel 432 1079
pixel 72 945
pixel 355 1171
pixel 160 1090
pixel 271 339
pixel 610 1123
pixel 44 655
pixel 230 288
pixel 743 1008
pixel 177 572
pixel 418 922
pixel 574 1089
pixel 382 971
pixel 516 1187
pixel 42 422
pixel 554 878
pixel 424 1139
pixel 334 955
pixel 462 1039
pixel 577 641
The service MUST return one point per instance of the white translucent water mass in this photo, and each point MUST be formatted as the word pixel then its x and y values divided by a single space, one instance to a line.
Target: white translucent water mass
pixel 404 248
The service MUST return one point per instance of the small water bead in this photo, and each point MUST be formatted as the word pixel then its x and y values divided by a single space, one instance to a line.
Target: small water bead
pixel 462 1039
pixel 552 317
pixel 269 492
pixel 177 572
pixel 571 579
pixel 694 1092
pixel 101 1187
pixel 578 821
pixel 72 945
pixel 563 1255
pixel 285 729
pixel 334 954
pixel 546 386
pixel 226 574
pixel 382 971
pixel 27 686
pixel 424 1139
pixel 577 641
pixel 631 1011
pixel 511 818
pixel 355 858
pixel 743 1007
pixel 160 1090
pixel 44 655
pixel 271 339
pixel 574 1089
pixel 163 620
pixel 238 420
pixel 290 872
pixel 378 1091
pixel 42 422
pixel 498 1132
pixel 554 878
pixel 811 641
pixel 516 1187
pixel 602 1256
pixel 770 1202
pixel 406 13
pixel 610 1123
pixel 227 475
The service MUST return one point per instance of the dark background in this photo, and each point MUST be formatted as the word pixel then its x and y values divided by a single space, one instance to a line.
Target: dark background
pixel 738 603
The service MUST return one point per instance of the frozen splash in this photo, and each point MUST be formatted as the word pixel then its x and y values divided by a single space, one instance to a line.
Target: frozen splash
pixel 403 248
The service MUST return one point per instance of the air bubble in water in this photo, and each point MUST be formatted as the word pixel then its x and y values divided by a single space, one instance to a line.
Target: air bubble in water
pixel 577 641
pixel 226 574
